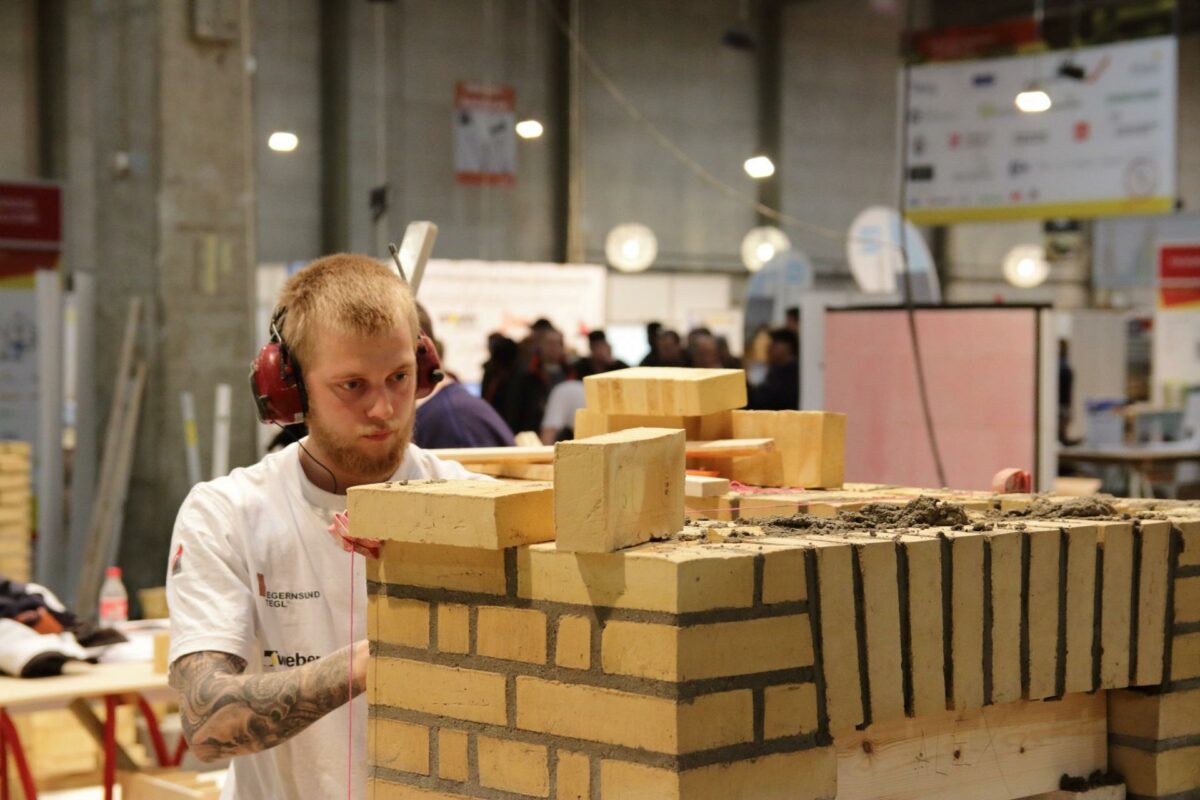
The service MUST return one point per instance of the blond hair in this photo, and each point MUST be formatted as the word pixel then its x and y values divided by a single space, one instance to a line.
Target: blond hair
pixel 348 293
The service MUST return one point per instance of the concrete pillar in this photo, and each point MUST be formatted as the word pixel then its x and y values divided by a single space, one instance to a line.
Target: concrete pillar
pixel 174 201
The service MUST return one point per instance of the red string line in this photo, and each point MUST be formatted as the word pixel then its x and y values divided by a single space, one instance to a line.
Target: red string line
pixel 350 694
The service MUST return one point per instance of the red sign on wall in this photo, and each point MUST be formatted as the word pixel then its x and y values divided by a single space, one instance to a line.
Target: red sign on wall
pixel 1179 275
pixel 31 222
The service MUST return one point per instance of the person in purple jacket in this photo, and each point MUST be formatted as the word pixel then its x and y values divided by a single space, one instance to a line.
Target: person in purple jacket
pixel 452 416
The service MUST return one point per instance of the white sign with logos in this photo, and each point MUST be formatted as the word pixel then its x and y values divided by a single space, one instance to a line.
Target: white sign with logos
pixel 1105 146
pixel 468 300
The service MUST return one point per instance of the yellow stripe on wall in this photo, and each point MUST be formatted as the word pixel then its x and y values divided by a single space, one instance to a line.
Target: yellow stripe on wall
pixel 1096 208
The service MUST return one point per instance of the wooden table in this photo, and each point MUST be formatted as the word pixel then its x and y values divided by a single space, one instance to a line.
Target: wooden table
pixel 1138 460
pixel 114 684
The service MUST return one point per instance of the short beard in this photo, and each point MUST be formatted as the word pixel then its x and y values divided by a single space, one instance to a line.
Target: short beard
pixel 346 457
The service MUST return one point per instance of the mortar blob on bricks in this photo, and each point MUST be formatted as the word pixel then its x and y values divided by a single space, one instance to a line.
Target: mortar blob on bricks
pixel 619 489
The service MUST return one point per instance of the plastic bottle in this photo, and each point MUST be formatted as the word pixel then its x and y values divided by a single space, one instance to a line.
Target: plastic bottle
pixel 114 600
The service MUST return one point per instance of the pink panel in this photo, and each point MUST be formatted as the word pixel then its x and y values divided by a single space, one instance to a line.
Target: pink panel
pixel 981 372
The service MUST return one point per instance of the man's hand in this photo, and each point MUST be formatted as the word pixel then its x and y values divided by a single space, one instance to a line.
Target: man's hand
pixel 340 531
pixel 225 713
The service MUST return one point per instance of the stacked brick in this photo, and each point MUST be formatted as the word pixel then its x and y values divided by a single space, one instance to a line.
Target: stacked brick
pixel 672 670
pixel 15 511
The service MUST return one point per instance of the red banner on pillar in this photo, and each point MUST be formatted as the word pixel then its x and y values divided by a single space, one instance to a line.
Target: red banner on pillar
pixel 1179 275
pixel 31 228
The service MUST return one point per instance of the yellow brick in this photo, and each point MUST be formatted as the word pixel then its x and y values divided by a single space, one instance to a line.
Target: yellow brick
pixel 619 489
pixel 1167 773
pixel 809 448
pixel 790 710
pixel 381 789
pixel 650 723
pixel 666 390
pixel 805 775
pixel 398 745
pixel 574 779
pixel 783 576
pixel 398 621
pixel 574 646
pixel 513 633
pixel 722 507
pixel 454 628
pixel 514 766
pixel 1185 657
pixel 433 689
pixel 621 780
pixel 1171 715
pixel 475 513
pixel 678 580
pixel 722 649
pixel 1187 600
pixel 460 569
pixel 1190 557
pixel 452 755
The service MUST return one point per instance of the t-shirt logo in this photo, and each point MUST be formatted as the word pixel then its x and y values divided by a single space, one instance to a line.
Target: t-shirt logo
pixel 274 658
pixel 177 561
pixel 281 599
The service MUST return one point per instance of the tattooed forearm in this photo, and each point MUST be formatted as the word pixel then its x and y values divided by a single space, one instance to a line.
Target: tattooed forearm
pixel 226 713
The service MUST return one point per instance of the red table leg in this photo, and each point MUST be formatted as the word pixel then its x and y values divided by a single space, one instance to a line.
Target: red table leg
pixel 180 749
pixel 12 743
pixel 110 745
pixel 3 765
pixel 156 737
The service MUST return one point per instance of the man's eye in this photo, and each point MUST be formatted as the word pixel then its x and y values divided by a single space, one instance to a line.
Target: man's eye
pixel 400 376
pixel 350 386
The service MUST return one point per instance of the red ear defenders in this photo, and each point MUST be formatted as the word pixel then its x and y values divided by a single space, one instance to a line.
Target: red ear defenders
pixel 278 386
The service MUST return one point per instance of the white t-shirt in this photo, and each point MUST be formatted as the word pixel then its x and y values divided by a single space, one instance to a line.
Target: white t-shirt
pixel 564 400
pixel 254 573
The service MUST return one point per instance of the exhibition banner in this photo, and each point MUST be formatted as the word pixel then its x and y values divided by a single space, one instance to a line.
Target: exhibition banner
pixel 485 139
pixel 1179 275
pixel 1106 146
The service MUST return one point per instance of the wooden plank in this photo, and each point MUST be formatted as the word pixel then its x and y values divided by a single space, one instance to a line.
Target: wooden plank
pixel 809 448
pixel 523 472
pixel 994 753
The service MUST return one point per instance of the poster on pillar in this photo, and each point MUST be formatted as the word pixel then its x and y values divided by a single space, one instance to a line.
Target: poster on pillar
pixel 1179 275
pixel 30 240
pixel 1099 141
pixel 485 138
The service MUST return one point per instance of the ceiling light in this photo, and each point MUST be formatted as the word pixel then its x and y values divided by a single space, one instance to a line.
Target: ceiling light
pixel 631 247
pixel 759 167
pixel 1025 266
pixel 1033 101
pixel 530 129
pixel 283 141
pixel 762 244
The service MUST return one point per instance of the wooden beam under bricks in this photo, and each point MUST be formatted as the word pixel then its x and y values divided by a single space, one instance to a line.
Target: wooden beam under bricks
pixel 666 391
pixel 489 515
pixel 619 489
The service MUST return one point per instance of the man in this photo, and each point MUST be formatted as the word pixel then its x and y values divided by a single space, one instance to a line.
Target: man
pixel 452 416
pixel 703 351
pixel 262 645
pixel 670 350
pixel 600 357
pixel 780 390
pixel 547 368
pixel 652 331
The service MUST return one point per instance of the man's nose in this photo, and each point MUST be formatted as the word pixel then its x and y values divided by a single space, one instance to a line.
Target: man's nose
pixel 382 406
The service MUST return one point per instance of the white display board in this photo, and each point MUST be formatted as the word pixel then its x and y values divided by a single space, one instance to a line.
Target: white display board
pixel 468 300
pixel 1106 146
pixel 18 364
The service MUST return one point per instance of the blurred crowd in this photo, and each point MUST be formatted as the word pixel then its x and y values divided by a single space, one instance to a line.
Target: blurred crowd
pixel 536 384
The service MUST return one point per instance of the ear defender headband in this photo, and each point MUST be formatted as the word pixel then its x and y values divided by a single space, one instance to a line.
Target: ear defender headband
pixel 278 385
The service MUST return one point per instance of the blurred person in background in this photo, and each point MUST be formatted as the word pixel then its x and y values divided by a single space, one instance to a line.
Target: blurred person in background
pixel 670 350
pixel 703 351
pixel 599 358
pixel 547 367
pixel 780 389
pixel 452 416
pixel 728 359
pixel 498 371
pixel 652 331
